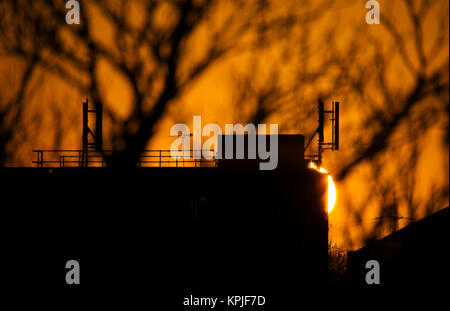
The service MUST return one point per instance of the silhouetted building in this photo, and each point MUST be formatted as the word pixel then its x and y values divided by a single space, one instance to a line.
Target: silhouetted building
pixel 174 231
pixel 414 256
pixel 289 152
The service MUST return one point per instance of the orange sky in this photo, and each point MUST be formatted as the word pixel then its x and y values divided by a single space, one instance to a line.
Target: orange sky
pixel 212 96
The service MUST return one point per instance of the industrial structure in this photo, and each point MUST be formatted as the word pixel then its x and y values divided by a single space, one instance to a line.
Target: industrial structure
pixel 225 228
pixel 92 153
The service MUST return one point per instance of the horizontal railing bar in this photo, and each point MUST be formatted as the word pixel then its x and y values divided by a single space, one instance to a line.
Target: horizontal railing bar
pixel 148 158
pixel 147 150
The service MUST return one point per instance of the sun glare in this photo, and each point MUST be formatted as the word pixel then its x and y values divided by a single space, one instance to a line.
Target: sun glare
pixel 332 194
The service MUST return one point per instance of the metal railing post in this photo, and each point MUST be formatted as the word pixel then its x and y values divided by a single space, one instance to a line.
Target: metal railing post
pixel 40 158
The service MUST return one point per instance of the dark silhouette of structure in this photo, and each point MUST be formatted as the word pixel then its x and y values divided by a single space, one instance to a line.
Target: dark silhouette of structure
pixel 221 230
pixel 412 257
pixel 96 142
pixel 171 231
pixel 321 144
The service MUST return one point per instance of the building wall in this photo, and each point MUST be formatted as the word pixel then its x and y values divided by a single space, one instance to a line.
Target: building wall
pixel 168 232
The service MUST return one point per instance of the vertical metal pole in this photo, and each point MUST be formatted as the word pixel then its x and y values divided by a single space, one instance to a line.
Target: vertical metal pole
pixel 99 126
pixel 332 125
pixel 85 133
pixel 320 131
pixel 336 126
pixel 393 216
pixel 40 158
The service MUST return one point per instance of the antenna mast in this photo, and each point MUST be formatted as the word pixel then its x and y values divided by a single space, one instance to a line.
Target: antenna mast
pixel 97 143
pixel 322 145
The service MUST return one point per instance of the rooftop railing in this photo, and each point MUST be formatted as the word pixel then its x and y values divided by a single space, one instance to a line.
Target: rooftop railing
pixel 148 158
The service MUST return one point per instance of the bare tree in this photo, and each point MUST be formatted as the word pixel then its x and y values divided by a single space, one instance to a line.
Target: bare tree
pixel 151 44
pixel 393 80
pixel 11 111
pixel 399 114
